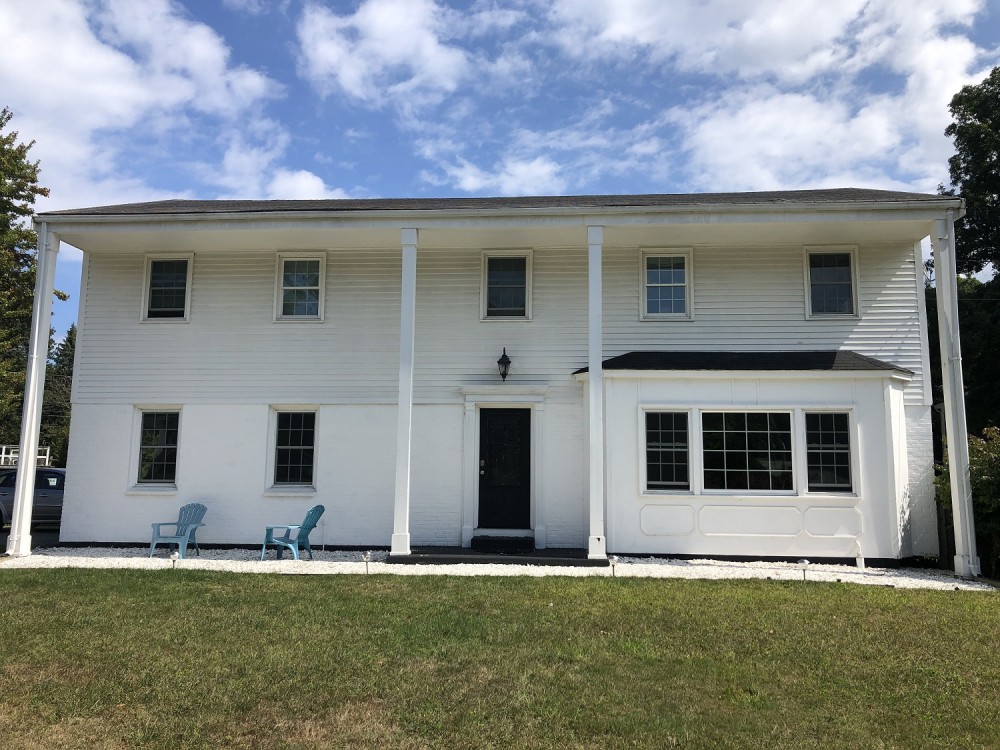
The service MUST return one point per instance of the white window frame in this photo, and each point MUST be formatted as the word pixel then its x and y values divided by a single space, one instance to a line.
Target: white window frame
pixel 668 252
pixel 694 482
pixel 146 279
pixel 855 454
pixel 800 468
pixel 852 252
pixel 525 253
pixel 134 486
pixel 271 460
pixel 279 287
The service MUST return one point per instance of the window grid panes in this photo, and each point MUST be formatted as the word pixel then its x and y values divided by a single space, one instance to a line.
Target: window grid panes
pixel 831 284
pixel 747 451
pixel 828 452
pixel 294 444
pixel 300 290
pixel 666 285
pixel 158 447
pixel 167 289
pixel 506 287
pixel 667 451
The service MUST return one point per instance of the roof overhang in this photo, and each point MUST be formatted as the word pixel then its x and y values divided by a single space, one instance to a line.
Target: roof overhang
pixel 804 217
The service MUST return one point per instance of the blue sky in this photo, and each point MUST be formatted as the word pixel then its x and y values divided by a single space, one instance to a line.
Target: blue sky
pixel 133 100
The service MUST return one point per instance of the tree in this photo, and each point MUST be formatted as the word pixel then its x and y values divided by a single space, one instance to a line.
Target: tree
pixel 58 388
pixel 975 172
pixel 18 189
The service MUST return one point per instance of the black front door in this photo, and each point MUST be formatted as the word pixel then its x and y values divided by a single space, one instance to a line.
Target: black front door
pixel 505 468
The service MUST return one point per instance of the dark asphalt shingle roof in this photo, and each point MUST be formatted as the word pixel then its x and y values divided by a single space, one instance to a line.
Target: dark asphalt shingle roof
pixel 765 361
pixel 678 200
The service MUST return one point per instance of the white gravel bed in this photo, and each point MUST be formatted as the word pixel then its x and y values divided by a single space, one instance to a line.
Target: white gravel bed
pixel 350 562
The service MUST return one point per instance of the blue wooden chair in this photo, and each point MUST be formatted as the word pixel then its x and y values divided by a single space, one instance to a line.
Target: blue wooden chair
pixel 185 527
pixel 294 536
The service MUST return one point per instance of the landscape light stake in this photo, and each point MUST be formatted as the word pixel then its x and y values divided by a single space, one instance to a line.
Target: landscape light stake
pixel 804 564
pixel 174 557
pixel 366 556
pixel 613 559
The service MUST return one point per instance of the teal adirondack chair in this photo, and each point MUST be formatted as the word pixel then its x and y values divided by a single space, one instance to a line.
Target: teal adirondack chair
pixel 294 536
pixel 185 527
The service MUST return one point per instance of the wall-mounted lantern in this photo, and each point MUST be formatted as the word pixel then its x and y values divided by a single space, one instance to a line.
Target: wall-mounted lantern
pixel 503 364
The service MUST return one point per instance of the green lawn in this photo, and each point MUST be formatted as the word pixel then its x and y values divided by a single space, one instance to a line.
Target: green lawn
pixel 173 659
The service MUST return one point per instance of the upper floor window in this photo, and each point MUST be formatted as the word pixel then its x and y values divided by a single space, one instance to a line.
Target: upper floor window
pixel 300 285
pixel 666 284
pixel 167 283
pixel 831 283
pixel 506 285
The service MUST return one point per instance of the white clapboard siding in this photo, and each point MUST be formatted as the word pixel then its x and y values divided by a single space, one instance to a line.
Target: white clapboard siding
pixel 232 350
pixel 753 300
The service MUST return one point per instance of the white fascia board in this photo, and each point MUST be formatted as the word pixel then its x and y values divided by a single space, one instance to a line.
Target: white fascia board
pixel 553 216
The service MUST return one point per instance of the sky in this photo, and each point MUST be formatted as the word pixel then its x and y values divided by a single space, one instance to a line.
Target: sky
pixel 138 100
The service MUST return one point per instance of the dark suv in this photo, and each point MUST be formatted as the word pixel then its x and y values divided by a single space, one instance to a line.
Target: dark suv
pixel 47 507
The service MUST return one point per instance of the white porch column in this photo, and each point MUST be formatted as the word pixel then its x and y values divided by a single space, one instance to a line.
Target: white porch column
pixel 19 541
pixel 404 424
pixel 943 241
pixel 596 544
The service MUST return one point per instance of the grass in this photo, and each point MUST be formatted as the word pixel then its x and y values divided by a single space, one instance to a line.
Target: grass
pixel 173 659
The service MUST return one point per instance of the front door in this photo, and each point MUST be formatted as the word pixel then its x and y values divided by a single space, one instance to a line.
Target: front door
pixel 505 468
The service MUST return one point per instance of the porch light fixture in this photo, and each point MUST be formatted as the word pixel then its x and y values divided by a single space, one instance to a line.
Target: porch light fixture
pixel 503 364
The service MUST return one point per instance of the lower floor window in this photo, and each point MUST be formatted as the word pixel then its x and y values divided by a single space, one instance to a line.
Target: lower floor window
pixel 158 447
pixel 667 450
pixel 294 447
pixel 828 451
pixel 747 451
pixel 751 451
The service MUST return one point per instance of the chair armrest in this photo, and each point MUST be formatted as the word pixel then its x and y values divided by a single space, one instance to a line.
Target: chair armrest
pixel 293 526
pixel 156 526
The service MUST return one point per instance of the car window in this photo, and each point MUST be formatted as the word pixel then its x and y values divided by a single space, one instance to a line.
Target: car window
pixel 48 480
pixel 8 479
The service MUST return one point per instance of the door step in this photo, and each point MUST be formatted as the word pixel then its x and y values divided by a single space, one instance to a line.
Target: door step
pixel 503 545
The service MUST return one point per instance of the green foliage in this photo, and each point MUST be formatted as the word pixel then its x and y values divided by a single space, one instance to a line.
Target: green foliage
pixel 58 387
pixel 984 476
pixel 975 172
pixel 177 658
pixel 979 317
pixel 18 190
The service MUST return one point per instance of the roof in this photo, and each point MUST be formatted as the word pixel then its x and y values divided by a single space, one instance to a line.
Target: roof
pixel 749 361
pixel 831 196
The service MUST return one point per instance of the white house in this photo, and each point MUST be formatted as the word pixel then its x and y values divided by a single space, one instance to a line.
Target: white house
pixel 717 374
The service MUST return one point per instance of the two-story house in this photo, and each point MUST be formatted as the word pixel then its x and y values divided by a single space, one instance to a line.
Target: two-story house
pixel 717 374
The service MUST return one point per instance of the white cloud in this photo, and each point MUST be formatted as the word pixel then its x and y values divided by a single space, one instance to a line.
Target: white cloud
pixel 387 50
pixel 538 176
pixel 765 139
pixel 300 185
pixel 253 7
pixel 85 78
pixel 790 39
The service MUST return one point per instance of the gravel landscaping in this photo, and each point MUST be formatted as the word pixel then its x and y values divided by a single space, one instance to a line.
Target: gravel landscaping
pixel 351 562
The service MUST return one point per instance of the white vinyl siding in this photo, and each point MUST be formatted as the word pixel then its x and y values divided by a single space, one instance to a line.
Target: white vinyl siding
pixel 745 299
pixel 751 299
